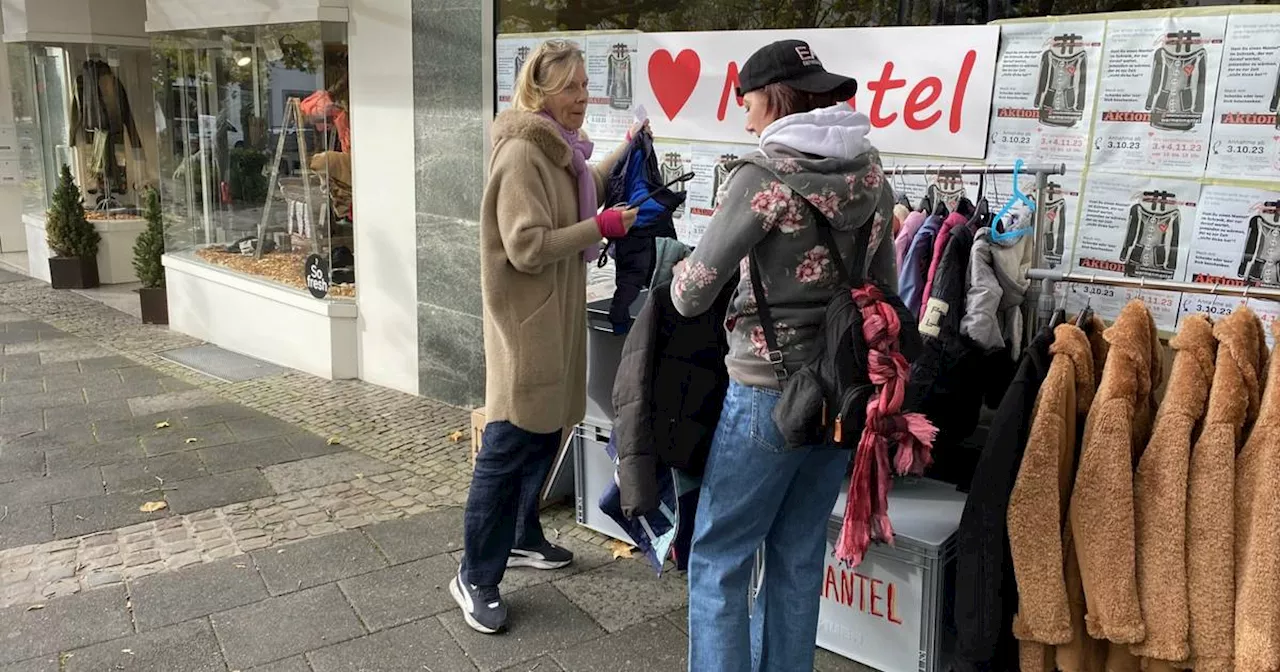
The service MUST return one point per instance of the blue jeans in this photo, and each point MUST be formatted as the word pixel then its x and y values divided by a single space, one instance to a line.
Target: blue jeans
pixel 502 505
pixel 757 491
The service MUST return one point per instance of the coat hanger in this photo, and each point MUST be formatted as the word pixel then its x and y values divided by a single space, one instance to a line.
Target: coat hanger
pixel 1017 197
pixel 1084 317
pixel 1059 316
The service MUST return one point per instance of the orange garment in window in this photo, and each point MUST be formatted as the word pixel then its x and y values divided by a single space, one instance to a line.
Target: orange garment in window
pixel 320 104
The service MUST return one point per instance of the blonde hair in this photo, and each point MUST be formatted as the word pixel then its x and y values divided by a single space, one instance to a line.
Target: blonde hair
pixel 548 71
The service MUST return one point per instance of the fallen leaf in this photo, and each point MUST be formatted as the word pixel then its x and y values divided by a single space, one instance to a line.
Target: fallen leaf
pixel 456 436
pixel 359 475
pixel 128 651
pixel 35 607
pixel 163 424
pixel 192 439
pixel 152 507
pixel 620 549
pixel 334 440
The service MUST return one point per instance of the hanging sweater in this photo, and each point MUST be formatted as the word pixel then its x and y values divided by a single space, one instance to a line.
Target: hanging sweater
pixel 1233 406
pixel 986 595
pixel 1159 495
pixel 1038 503
pixel 825 157
pixel 1101 514
pixel 1257 550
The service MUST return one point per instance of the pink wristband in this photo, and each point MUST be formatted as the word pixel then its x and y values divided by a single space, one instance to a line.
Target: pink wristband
pixel 610 224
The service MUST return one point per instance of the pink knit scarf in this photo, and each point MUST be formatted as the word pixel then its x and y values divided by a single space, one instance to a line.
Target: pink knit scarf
pixel 866 513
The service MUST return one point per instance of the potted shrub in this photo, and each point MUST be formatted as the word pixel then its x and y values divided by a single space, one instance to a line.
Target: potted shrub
pixel 147 250
pixel 71 237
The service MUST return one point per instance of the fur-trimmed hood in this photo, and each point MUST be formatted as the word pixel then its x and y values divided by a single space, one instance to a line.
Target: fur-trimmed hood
pixel 536 129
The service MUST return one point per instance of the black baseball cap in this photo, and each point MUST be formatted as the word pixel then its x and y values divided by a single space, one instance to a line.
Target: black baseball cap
pixel 792 62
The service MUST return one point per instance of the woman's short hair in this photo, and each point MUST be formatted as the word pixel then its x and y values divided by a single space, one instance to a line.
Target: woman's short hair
pixel 781 100
pixel 548 71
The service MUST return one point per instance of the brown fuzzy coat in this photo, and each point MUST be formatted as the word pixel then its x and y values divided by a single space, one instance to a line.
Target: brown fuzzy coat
pixel 1233 405
pixel 533 280
pixel 1101 511
pixel 1038 503
pixel 1159 494
pixel 1258 534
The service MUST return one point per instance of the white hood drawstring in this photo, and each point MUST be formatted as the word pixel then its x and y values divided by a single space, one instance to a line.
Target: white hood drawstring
pixel 837 132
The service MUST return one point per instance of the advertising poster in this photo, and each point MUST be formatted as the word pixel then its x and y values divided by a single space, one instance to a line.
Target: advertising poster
pixel 710 166
pixel 1218 306
pixel 1246 130
pixel 674 160
pixel 1136 226
pixel 1107 302
pixel 1061 208
pixel 1237 238
pixel 1046 83
pixel 1158 86
pixel 612 74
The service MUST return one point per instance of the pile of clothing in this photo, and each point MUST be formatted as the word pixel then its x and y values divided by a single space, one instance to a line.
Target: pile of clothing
pixel 1108 530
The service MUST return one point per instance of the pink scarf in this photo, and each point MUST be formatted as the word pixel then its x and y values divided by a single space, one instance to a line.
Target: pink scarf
pixel 587 204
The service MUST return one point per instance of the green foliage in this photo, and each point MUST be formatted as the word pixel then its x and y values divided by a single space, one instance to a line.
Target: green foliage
pixel 68 232
pixel 149 246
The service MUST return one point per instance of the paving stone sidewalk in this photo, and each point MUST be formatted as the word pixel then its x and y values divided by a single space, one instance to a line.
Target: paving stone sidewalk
pixel 308 525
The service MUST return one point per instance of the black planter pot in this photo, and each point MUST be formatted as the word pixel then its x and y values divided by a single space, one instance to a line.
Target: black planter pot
pixel 73 272
pixel 155 305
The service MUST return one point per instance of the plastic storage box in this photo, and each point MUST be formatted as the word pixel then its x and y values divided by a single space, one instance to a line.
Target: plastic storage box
pixel 893 612
pixel 592 474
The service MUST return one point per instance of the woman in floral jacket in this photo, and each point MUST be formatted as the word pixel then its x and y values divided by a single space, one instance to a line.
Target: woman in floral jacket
pixel 757 489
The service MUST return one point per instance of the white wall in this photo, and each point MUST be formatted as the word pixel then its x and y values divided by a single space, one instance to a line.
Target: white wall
pixel 383 173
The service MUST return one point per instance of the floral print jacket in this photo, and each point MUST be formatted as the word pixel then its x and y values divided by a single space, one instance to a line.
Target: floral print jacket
pixel 758 206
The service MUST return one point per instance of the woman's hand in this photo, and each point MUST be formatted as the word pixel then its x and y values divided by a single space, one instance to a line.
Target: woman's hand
pixel 629 218
pixel 616 221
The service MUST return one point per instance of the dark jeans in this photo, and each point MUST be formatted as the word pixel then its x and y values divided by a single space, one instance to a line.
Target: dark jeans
pixel 502 507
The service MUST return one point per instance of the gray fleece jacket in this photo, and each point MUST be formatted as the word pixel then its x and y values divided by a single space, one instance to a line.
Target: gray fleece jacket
pixel 825 156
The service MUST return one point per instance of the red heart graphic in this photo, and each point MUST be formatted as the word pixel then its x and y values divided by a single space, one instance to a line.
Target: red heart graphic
pixel 1053 214
pixel 673 80
pixel 1071 70
pixel 1188 68
pixel 1164 227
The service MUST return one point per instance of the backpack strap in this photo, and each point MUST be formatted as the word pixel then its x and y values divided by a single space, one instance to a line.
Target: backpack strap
pixel 863 237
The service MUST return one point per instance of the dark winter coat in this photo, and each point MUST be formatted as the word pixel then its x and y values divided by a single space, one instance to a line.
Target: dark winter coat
pixel 986 595
pixel 631 180
pixel 668 394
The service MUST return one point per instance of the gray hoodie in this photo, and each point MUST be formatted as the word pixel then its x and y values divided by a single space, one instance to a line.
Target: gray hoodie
pixel 825 156
pixel 997 287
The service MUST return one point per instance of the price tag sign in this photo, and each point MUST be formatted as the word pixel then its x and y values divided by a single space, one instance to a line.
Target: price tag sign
pixel 315 273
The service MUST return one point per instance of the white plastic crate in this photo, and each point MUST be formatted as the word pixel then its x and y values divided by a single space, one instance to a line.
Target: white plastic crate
pixel 892 612
pixel 593 473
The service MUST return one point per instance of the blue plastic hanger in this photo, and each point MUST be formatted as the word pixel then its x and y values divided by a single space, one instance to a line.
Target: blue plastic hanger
pixel 1017 197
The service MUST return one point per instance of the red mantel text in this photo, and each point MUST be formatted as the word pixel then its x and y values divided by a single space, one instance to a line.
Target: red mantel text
pixel 919 112
pixel 864 593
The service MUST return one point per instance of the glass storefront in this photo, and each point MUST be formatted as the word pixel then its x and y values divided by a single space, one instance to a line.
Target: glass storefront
pixel 255 150
pixel 533 16
pixel 88 107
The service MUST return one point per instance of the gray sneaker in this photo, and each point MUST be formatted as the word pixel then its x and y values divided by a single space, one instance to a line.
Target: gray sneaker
pixel 482 606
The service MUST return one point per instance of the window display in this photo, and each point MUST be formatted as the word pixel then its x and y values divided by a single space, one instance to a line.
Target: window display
pixel 255 152
pixel 74 105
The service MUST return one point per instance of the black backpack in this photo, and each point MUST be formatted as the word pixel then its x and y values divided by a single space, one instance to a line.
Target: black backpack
pixel 824 403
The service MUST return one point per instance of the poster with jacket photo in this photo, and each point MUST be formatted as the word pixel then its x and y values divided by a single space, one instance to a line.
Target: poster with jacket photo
pixel 675 159
pixel 1157 92
pixel 1139 227
pixel 710 165
pixel 1246 128
pixel 1237 238
pixel 1046 83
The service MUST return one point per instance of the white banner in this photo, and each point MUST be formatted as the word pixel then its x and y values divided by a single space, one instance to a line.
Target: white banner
pixel 1046 82
pixel 927 90
pixel 1246 132
pixel 1159 84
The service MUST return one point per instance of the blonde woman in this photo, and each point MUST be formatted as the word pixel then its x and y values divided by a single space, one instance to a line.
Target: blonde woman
pixel 539 222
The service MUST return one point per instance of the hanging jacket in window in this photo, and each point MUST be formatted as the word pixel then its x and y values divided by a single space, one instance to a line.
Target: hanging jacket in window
pixel 1258 534
pixel 1234 400
pixel 986 594
pixel 99 103
pixel 634 255
pixel 1160 494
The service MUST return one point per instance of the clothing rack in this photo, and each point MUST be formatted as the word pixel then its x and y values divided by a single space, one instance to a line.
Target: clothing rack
pixel 1042 171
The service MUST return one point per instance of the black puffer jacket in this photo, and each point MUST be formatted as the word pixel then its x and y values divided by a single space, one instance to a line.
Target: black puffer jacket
pixel 668 394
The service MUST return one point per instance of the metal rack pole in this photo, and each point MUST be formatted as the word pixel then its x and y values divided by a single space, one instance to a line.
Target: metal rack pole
pixel 980 169
pixel 1246 292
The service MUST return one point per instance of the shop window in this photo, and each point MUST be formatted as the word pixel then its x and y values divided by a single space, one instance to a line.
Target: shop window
pixel 530 16
pixel 255 146
pixel 88 107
